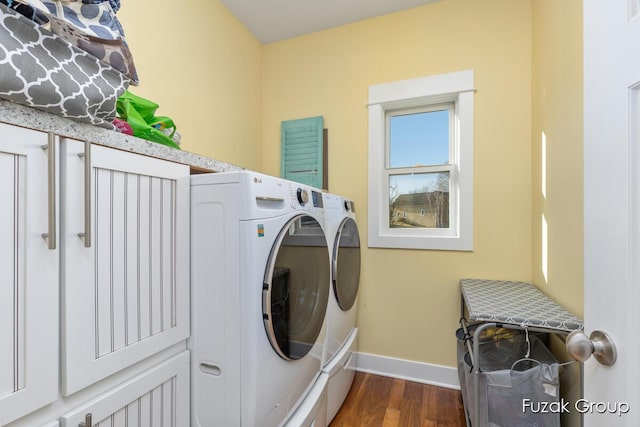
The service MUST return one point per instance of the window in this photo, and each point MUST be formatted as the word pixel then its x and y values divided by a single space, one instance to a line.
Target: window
pixel 421 163
pixel 419 143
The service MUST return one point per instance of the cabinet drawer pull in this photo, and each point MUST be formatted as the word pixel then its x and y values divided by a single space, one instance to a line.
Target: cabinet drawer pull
pixel 86 235
pixel 50 236
pixel 88 422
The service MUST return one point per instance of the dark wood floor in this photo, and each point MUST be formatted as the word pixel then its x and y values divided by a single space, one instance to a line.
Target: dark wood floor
pixel 376 401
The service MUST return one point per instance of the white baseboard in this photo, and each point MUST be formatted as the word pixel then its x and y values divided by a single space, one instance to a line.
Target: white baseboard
pixel 426 373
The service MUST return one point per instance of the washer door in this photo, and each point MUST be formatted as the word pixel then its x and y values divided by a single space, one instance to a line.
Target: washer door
pixel 296 289
pixel 346 264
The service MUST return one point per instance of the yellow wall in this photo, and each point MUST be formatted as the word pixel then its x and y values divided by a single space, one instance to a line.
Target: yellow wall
pixel 203 68
pixel 557 130
pixel 229 98
pixel 409 300
pixel 557 167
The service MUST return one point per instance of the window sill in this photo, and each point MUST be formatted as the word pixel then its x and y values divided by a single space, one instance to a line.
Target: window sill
pixel 438 243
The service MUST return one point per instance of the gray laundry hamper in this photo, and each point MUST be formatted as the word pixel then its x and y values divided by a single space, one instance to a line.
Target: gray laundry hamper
pixel 508 378
pixel 494 389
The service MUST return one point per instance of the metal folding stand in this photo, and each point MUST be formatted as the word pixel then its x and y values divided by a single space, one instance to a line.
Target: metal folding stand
pixel 510 305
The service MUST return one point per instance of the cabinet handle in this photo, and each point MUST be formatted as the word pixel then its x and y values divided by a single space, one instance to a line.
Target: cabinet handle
pixel 50 236
pixel 211 368
pixel 88 422
pixel 87 195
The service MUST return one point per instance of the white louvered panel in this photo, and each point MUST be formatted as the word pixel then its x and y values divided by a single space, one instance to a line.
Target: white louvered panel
pixel 155 408
pixel 132 254
pixel 20 272
pixel 135 258
pixel 28 274
pixel 7 274
pixel 144 406
pixel 117 419
pixel 119 284
pixel 144 259
pixel 12 274
pixel 167 256
pixel 133 415
pixel 157 397
pixel 155 255
pixel 169 403
pixel 103 260
pixel 126 296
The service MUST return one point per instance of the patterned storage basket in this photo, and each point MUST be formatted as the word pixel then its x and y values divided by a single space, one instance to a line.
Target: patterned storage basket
pixel 41 70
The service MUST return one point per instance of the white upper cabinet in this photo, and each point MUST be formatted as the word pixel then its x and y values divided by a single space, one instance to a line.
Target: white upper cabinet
pixel 126 287
pixel 28 272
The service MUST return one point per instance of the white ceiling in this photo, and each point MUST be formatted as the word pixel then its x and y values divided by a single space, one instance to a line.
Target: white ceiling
pixel 274 20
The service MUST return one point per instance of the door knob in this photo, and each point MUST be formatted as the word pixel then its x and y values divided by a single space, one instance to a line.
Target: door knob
pixel 599 343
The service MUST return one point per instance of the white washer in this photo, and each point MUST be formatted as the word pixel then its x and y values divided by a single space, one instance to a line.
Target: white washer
pixel 342 334
pixel 260 275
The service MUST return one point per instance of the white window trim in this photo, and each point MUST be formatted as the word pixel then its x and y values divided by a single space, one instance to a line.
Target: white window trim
pixel 457 87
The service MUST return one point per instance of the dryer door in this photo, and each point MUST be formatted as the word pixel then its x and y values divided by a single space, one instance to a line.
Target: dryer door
pixel 346 264
pixel 296 288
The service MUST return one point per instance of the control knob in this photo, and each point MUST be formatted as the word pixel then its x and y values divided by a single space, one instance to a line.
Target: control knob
pixel 303 196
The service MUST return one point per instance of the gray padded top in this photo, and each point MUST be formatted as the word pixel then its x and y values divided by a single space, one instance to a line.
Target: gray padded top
pixel 516 303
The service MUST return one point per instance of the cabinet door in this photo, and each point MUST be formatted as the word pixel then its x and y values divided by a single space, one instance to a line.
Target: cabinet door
pixel 126 289
pixel 28 274
pixel 158 397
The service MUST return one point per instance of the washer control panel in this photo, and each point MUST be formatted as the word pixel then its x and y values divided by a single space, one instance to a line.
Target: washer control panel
pixel 349 206
pixel 306 198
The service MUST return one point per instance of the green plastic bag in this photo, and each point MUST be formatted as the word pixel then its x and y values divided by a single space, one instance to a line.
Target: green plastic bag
pixel 139 113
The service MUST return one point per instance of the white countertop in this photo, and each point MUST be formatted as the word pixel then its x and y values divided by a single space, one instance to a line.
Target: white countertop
pixel 32 118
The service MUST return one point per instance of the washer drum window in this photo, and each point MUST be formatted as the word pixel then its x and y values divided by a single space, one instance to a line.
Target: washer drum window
pixel 296 289
pixel 346 264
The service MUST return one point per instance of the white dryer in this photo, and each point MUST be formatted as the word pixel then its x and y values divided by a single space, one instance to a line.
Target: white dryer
pixel 260 275
pixel 342 334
